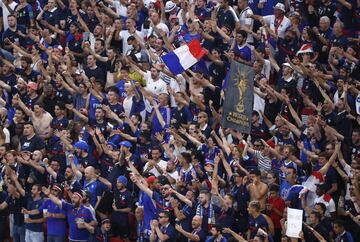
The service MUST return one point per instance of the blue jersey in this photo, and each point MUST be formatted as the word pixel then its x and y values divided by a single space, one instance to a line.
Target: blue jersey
pixel 165 113
pixel 93 104
pixel 120 85
pixel 93 188
pixel 74 215
pixel 149 209
pixel 31 205
pixel 56 226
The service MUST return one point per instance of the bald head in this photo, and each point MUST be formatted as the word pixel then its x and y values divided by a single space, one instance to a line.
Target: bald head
pixel 89 173
pixel 37 155
pixel 196 222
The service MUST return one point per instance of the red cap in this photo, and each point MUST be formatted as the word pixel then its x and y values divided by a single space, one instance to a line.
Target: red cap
pixel 32 85
pixel 271 143
pixel 150 180
pixel 241 145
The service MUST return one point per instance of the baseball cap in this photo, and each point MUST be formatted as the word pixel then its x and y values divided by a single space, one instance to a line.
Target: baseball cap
pixel 209 162
pixel 271 143
pixel 114 146
pixel 82 145
pixel 123 180
pixel 126 143
pixel 32 85
pixel 151 179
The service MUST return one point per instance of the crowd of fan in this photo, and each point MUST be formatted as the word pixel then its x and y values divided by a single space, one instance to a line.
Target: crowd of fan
pixel 99 141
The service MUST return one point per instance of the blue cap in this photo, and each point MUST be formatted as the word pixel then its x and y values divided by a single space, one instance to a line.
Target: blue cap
pixel 112 144
pixel 123 180
pixel 208 161
pixel 82 145
pixel 127 144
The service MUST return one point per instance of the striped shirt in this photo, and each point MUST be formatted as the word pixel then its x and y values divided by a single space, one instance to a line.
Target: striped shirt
pixel 264 162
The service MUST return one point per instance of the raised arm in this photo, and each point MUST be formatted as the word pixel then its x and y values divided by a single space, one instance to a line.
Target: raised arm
pixel 332 159
pixel 53 28
pixel 18 101
pixel 142 186
pixel 54 199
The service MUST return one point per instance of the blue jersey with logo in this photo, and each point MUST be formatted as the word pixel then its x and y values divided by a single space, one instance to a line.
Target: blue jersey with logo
pixel 74 215
pixel 56 226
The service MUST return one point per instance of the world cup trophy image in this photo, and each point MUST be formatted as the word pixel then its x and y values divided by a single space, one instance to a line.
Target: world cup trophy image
pixel 241 85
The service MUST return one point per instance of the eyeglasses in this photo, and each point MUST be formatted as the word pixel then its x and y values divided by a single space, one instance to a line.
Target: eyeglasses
pixel 269 177
pixel 165 188
pixel 162 216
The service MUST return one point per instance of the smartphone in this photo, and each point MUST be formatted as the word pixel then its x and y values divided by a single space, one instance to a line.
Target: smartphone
pixel 86 36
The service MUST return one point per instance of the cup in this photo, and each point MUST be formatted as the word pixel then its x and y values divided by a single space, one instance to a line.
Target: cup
pixel 45 212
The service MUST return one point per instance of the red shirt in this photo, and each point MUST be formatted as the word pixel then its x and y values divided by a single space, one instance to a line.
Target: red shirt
pixel 279 204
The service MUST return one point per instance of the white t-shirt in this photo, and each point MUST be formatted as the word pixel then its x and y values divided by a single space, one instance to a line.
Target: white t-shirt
pixel 244 20
pixel 6 13
pixel 329 203
pixel 7 135
pixel 155 87
pixel 259 102
pixel 124 35
pixel 266 69
pixel 162 164
pixel 127 104
pixel 283 25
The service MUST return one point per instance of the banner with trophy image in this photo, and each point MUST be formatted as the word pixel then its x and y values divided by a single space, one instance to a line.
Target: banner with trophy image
pixel 239 98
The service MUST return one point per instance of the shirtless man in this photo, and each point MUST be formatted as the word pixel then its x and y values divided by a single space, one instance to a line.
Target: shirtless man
pixel 257 189
pixel 40 118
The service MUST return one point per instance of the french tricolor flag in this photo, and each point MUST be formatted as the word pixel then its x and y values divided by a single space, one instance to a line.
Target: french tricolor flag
pixel 184 57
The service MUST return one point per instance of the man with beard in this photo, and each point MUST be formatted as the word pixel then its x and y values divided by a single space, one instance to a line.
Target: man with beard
pixel 162 199
pixel 62 94
pixel 13 31
pixel 80 219
pixel 241 49
pixel 154 84
pixel 71 183
pixel 205 210
pixel 121 209
pixel 217 235
pixel 156 165
pixel 82 155
pixel 197 234
pixel 27 70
